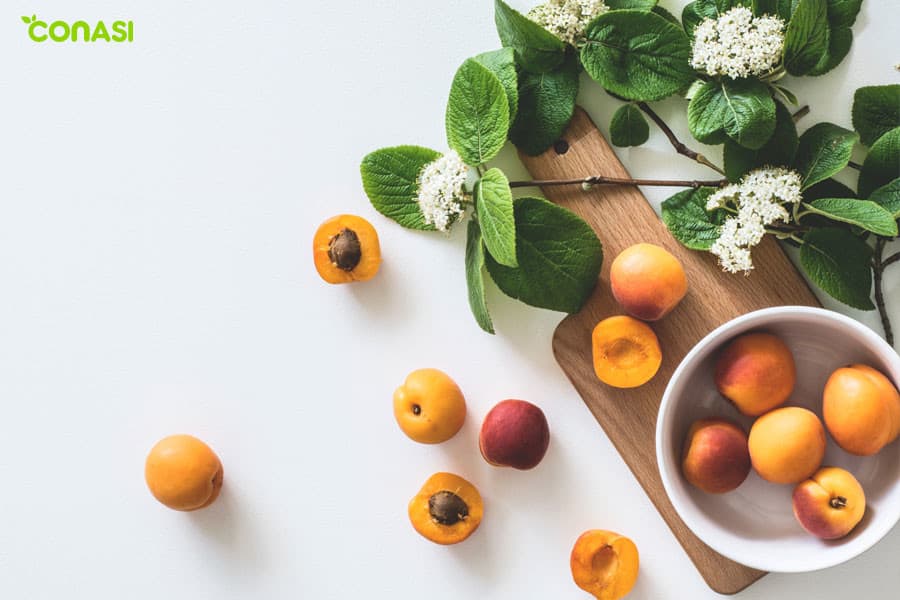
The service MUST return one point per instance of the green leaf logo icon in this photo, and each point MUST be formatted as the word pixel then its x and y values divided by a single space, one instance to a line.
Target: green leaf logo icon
pixel 27 20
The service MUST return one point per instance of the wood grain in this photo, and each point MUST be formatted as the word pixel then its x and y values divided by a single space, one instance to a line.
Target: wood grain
pixel 621 216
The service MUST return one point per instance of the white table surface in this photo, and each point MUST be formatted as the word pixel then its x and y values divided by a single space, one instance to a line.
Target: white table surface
pixel 158 202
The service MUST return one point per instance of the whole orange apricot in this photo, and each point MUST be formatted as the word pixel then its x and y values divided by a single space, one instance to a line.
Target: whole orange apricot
pixel 626 352
pixel 346 249
pixel 716 458
pixel 604 564
pixel 756 371
pixel 830 503
pixel 183 473
pixel 447 509
pixel 647 281
pixel 861 409
pixel 787 445
pixel 429 406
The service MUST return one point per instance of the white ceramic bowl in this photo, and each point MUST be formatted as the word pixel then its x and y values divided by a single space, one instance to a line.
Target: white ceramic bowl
pixel 754 524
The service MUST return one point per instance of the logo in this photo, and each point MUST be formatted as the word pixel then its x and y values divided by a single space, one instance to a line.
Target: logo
pixel 79 31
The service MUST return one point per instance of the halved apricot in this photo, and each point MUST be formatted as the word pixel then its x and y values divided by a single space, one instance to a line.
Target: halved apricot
pixel 626 352
pixel 447 509
pixel 604 564
pixel 346 249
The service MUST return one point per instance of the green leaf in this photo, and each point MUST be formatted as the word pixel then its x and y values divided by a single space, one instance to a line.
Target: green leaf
pixel 536 49
pixel 841 16
pixel 477 114
pixel 628 127
pixel 645 5
pixel 829 188
pixel 882 164
pixel 27 20
pixel 559 258
pixel 637 55
pixel 824 150
pixel 839 263
pixel 390 178
pixel 888 197
pixel 688 220
pixel 876 110
pixel 862 213
pixel 546 105
pixel 778 151
pixel 475 277
pixel 503 65
pixel 806 38
pixel 843 13
pixel 695 12
pixel 743 109
pixel 494 206
pixel 659 10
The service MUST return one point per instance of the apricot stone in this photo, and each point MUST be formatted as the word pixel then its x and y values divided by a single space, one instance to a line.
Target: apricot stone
pixel 756 371
pixel 716 457
pixel 830 503
pixel 861 409
pixel 647 281
pixel 787 445
pixel 604 564
pixel 514 434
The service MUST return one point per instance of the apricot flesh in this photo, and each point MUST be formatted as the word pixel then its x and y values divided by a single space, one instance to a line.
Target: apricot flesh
pixel 429 407
pixel 647 281
pixel 830 504
pixel 756 371
pixel 183 473
pixel 604 564
pixel 514 434
pixel 861 409
pixel 787 445
pixel 447 510
pixel 626 352
pixel 716 456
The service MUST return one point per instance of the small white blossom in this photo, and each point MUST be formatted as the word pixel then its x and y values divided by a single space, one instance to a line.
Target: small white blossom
pixel 441 190
pixel 761 198
pixel 737 44
pixel 567 19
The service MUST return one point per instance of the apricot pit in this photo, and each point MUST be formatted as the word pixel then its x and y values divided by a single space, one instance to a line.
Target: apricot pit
pixel 346 249
pixel 447 509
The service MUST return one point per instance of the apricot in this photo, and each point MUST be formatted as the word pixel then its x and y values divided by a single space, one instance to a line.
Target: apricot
pixel 756 371
pixel 716 457
pixel 514 434
pixel 346 249
pixel 830 503
pixel 447 509
pixel 429 406
pixel 862 409
pixel 647 281
pixel 787 445
pixel 183 473
pixel 626 352
pixel 604 564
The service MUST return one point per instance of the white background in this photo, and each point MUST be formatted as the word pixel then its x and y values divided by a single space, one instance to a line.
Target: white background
pixel 158 204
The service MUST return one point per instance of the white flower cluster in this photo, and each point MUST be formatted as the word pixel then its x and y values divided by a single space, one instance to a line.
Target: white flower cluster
pixel 737 45
pixel 441 190
pixel 760 199
pixel 567 19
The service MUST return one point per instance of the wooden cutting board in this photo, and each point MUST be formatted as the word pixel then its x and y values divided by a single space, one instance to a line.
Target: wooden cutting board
pixel 621 217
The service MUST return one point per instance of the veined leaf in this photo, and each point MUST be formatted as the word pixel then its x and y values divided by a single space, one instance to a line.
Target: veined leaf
pixel 477 114
pixel 824 150
pixel 390 178
pixel 882 164
pixel 839 262
pixel 546 105
pixel 537 50
pixel 688 220
pixel 806 37
pixel 628 127
pixel 876 110
pixel 862 213
pixel 494 206
pixel 743 109
pixel 475 277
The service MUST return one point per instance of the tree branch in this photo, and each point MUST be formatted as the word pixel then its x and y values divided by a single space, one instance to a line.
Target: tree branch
pixel 680 148
pixel 801 113
pixel 878 265
pixel 603 180
pixel 891 259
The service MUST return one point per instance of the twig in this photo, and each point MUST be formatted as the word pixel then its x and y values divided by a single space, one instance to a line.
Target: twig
pixel 802 112
pixel 891 259
pixel 603 180
pixel 680 148
pixel 854 165
pixel 878 265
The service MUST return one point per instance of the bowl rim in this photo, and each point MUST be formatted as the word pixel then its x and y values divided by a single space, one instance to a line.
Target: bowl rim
pixel 871 339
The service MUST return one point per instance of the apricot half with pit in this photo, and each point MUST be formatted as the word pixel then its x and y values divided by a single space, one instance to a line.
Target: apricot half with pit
pixel 429 407
pixel 626 352
pixel 756 371
pixel 647 281
pixel 447 509
pixel 346 249
pixel 514 434
pixel 183 473
pixel 604 564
